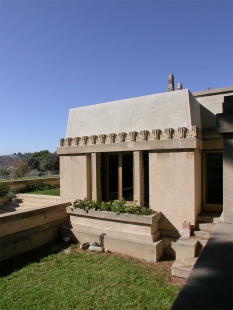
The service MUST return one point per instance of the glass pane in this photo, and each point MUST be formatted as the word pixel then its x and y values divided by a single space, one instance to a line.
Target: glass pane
pixel 127 176
pixel 214 184
pixel 113 177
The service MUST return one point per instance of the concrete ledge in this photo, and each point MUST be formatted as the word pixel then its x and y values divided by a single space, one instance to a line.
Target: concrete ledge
pixel 123 217
pixel 24 230
pixel 192 143
pixel 20 242
pixel 15 222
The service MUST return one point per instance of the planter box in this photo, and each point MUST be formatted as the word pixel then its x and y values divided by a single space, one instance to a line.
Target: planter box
pixel 135 235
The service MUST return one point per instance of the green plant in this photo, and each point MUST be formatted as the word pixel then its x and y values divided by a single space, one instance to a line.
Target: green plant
pixel 11 193
pixel 7 191
pixel 40 186
pixel 3 190
pixel 117 206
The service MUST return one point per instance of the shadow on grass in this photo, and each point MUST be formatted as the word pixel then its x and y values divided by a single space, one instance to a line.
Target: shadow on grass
pixel 33 256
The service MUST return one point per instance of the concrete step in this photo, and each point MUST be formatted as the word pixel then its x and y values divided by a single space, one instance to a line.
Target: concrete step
pixel 185 248
pixel 32 197
pixel 208 217
pixel 190 261
pixel 180 270
pixel 202 234
pixel 206 226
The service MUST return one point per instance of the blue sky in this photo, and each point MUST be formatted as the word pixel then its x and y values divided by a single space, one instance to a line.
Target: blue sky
pixel 57 55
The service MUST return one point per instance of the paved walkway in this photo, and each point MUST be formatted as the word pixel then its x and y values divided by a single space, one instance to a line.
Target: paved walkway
pixel 210 284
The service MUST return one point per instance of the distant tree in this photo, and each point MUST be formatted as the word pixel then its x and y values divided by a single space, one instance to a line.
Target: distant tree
pixel 50 162
pixel 33 160
pixel 4 171
pixel 19 169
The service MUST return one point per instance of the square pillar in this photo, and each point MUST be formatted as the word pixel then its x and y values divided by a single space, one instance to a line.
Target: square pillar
pixel 96 176
pixel 138 177
pixel 224 125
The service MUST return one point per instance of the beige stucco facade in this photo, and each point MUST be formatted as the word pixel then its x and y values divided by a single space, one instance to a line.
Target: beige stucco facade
pixel 75 180
pixel 175 187
pixel 169 134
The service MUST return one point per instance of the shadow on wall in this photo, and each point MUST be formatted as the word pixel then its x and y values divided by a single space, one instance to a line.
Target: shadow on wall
pixel 208 119
pixel 166 226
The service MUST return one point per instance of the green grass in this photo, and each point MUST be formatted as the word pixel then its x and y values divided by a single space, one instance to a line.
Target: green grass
pixel 52 191
pixel 83 281
pixel 32 178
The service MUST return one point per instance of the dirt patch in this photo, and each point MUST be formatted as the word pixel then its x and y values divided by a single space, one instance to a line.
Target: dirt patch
pixel 165 262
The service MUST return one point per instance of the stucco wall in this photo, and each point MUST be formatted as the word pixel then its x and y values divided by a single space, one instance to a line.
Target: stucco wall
pixel 173 187
pixel 159 111
pixel 75 177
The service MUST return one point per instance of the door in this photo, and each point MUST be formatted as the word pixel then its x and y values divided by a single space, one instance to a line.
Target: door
pixel 213 181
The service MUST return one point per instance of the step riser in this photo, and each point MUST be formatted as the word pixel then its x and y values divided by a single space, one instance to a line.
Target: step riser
pixel 202 234
pixel 180 271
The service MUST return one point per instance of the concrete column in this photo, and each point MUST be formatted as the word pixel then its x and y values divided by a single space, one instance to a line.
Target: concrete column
pixel 96 176
pixel 228 177
pixel 138 179
pixel 224 125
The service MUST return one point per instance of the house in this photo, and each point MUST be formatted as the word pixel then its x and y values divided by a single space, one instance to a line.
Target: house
pixel 162 150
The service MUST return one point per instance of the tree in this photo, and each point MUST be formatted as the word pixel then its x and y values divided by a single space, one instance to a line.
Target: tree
pixel 19 169
pixel 50 162
pixel 33 160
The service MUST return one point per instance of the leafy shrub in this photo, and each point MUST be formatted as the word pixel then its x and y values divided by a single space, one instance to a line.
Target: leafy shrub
pixel 117 206
pixel 39 186
pixel 7 191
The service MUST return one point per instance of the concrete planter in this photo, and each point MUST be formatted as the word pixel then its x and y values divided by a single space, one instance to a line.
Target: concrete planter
pixel 135 235
pixel 3 200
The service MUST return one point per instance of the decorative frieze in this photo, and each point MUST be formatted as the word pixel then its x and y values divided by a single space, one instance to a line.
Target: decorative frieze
pixel 194 132
pixel 134 136
pixel 111 138
pixel 155 134
pixel 92 139
pixel 121 137
pixel 68 141
pixel 168 133
pixel 84 140
pixel 181 132
pixel 101 139
pixel 76 141
pixel 143 135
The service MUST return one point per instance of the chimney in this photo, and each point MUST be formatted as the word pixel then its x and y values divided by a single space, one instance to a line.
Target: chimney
pixel 170 82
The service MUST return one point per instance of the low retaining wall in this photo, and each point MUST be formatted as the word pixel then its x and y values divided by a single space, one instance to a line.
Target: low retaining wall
pixel 21 185
pixel 25 230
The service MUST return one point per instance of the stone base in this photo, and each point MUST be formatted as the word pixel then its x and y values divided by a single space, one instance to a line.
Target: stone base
pixel 150 251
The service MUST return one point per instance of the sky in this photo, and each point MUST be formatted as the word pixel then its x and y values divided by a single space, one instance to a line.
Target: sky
pixel 58 55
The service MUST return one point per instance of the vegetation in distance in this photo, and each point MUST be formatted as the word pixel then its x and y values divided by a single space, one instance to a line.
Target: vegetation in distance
pixel 84 280
pixel 52 192
pixel 36 188
pixel 117 206
pixel 16 166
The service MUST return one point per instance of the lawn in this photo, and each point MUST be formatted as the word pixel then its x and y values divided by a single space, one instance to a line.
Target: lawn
pixel 54 278
pixel 51 191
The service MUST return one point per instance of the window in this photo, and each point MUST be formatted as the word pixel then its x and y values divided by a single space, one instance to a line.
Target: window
pixel 117 176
